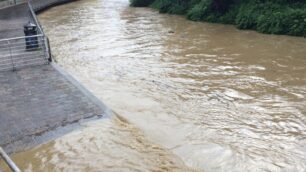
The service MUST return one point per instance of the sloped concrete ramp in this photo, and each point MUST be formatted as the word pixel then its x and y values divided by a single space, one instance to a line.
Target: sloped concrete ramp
pixel 37 100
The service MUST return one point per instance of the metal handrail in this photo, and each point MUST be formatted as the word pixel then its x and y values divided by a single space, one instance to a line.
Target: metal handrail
pixel 21 37
pixel 9 161
pixel 34 17
pixel 14 50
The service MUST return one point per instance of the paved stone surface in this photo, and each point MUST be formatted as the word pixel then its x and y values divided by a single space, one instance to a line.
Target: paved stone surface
pixel 37 100
pixel 12 20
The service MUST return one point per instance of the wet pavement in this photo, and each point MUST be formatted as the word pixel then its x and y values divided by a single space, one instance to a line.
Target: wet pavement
pixel 12 20
pixel 37 100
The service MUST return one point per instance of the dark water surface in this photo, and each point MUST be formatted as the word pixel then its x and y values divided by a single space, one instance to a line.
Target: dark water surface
pixel 212 97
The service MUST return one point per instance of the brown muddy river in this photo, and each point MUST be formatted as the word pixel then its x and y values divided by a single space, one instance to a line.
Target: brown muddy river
pixel 188 95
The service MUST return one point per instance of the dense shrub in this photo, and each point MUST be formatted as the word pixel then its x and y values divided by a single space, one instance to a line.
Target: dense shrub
pixel 247 15
pixel 214 11
pixel 266 16
pixel 141 3
pixel 173 6
pixel 296 22
pixel 272 18
pixel 200 11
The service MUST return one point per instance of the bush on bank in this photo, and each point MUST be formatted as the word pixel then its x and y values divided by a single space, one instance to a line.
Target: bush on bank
pixel 141 3
pixel 266 16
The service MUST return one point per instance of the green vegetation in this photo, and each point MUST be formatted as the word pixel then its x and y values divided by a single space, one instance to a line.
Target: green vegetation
pixel 266 16
pixel 141 3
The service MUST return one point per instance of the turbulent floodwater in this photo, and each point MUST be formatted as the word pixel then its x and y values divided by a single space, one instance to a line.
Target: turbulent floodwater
pixel 201 95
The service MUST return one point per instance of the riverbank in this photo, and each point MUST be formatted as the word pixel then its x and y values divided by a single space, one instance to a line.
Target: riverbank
pixel 272 17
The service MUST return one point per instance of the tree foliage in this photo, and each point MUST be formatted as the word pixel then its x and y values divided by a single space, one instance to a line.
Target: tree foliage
pixel 266 16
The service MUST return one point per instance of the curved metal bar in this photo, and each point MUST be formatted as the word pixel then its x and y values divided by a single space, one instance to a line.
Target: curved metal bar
pixel 9 161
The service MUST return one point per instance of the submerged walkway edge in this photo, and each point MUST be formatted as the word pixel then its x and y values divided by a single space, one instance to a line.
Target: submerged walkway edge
pixel 41 102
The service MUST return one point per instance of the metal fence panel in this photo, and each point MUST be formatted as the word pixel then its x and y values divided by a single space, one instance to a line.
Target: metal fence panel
pixel 14 54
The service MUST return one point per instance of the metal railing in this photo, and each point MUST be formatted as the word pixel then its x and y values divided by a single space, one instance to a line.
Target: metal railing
pixel 9 161
pixel 33 17
pixel 21 52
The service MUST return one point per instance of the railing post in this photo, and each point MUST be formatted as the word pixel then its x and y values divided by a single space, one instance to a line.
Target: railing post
pixel 46 48
pixel 11 55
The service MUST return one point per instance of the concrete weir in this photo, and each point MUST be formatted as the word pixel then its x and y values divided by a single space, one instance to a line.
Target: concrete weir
pixel 39 99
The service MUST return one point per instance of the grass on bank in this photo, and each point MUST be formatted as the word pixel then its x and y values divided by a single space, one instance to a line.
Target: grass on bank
pixel 266 16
